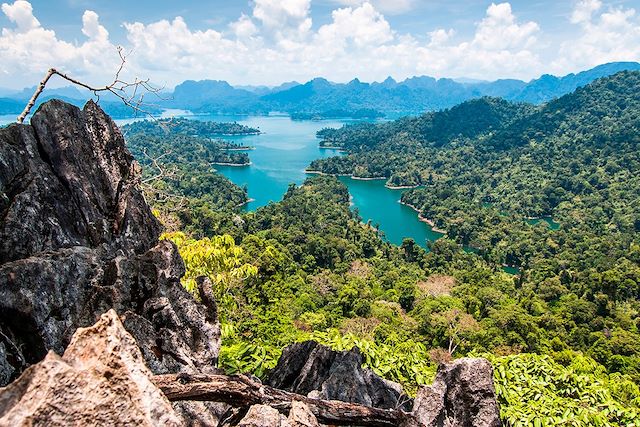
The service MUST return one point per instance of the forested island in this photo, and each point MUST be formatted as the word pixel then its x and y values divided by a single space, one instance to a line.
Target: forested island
pixel 188 127
pixel 359 114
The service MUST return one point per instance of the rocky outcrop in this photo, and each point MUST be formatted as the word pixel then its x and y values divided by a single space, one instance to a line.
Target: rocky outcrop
pixel 462 395
pixel 78 239
pixel 315 370
pixel 100 380
pixel 265 416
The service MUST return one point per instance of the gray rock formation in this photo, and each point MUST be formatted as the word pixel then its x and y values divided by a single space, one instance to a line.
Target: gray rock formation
pixel 265 416
pixel 301 416
pixel 315 370
pixel 77 239
pixel 462 395
pixel 100 380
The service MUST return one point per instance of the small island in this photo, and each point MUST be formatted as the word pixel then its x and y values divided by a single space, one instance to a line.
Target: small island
pixel 183 126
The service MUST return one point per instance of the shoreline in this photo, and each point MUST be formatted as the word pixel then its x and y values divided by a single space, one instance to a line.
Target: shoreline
pixel 329 147
pixel 239 149
pixel 373 178
pixel 237 134
pixel 401 187
pixel 356 178
pixel 245 203
pixel 311 172
pixel 231 164
pixel 423 219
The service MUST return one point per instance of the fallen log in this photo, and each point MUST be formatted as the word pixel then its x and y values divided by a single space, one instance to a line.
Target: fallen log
pixel 242 391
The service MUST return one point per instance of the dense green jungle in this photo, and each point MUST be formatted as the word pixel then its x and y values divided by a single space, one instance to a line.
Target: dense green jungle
pixel 563 333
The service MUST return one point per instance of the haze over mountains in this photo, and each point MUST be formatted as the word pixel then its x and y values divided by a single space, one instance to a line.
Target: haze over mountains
pixel 320 98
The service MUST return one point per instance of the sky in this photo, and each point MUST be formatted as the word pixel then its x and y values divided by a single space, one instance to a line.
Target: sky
pixel 268 42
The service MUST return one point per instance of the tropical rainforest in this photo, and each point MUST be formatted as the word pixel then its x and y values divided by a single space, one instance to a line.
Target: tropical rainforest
pixel 563 333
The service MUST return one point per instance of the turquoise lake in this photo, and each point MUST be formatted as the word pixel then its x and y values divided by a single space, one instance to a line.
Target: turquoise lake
pixel 282 153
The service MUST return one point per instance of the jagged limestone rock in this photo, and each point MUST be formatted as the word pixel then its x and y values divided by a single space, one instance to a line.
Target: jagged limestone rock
pixel 312 369
pixel 301 416
pixel 77 239
pixel 263 416
pixel 462 395
pixel 100 380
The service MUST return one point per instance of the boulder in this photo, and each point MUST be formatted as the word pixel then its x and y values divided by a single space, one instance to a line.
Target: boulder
pixel 100 380
pixel 462 395
pixel 263 416
pixel 312 369
pixel 301 416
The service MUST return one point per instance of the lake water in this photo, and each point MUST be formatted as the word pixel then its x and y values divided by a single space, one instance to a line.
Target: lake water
pixel 282 153
pixel 550 222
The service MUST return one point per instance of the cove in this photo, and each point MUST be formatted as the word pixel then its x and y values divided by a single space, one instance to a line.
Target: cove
pixel 280 156
pixel 381 206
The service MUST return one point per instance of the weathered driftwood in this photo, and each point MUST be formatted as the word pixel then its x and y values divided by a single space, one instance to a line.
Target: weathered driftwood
pixel 242 391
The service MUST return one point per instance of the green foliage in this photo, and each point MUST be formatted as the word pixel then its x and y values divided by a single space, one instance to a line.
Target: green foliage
pixel 535 390
pixel 407 362
pixel 485 167
pixel 219 259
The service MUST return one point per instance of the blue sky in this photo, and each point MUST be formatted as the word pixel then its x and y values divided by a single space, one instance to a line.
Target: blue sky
pixel 272 41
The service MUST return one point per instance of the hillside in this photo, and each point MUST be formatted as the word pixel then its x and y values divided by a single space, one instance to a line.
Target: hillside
pixel 573 161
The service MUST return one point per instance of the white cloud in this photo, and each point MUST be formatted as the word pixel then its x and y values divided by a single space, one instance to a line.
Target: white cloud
pixel 288 18
pixel 389 7
pixel 244 27
pixel 358 41
pixel 499 30
pixel 28 50
pixel 440 36
pixel 91 27
pixel 501 47
pixel 276 41
pixel 166 47
pixel 605 36
pixel 363 26
pixel 21 14
pixel 584 10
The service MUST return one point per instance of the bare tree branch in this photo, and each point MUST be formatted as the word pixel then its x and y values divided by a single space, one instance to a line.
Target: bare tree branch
pixel 162 172
pixel 118 87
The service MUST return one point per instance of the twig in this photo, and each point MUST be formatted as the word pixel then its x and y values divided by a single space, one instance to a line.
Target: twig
pixel 118 88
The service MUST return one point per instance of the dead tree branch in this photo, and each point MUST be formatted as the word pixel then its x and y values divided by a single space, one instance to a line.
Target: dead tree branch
pixel 244 392
pixel 118 87
pixel 161 170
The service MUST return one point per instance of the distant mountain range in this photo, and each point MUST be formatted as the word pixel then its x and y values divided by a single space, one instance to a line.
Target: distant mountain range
pixel 320 98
